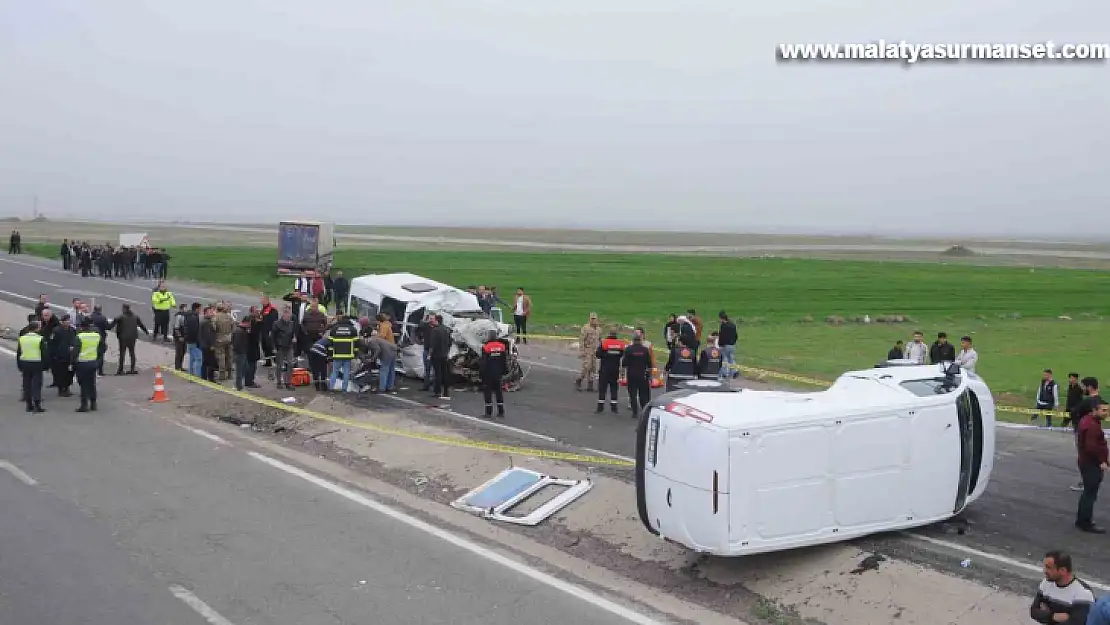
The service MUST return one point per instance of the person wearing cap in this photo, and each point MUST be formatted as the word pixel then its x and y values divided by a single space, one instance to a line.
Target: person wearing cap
pixel 30 354
pixel 162 302
pixel 588 341
pixel 61 352
pixel 86 363
pixel 942 350
pixel 968 357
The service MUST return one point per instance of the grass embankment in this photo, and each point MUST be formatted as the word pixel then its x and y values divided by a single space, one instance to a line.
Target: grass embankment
pixel 1012 313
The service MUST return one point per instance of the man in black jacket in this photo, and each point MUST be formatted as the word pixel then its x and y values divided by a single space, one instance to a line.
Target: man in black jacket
pixel 1075 395
pixel 341 287
pixel 282 333
pixel 61 352
pixel 493 365
pixel 99 323
pixel 127 326
pixel 179 346
pixel 636 363
pixel 439 342
pixel 192 340
pixel 726 341
pixel 942 350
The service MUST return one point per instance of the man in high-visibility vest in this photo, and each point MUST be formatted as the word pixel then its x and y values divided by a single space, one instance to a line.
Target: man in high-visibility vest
pixel 343 350
pixel 29 355
pixel 86 361
pixel 162 302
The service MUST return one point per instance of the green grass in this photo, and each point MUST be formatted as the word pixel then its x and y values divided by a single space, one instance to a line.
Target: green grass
pixel 1011 312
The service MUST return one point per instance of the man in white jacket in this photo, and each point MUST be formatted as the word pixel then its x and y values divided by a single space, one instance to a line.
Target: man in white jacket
pixel 916 350
pixel 968 357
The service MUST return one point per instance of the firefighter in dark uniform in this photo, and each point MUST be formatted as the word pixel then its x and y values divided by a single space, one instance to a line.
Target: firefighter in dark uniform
pixel 609 354
pixel 636 363
pixel 491 369
pixel 29 356
pixel 680 366
pixel 86 362
pixel 709 362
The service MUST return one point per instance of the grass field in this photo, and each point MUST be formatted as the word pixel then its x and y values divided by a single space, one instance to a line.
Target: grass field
pixel 1012 313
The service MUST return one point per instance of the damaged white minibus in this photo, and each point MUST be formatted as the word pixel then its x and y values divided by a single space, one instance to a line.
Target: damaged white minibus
pixel 730 472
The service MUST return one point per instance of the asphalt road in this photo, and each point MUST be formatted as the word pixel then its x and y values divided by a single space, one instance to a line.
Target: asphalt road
pixel 1027 510
pixel 120 517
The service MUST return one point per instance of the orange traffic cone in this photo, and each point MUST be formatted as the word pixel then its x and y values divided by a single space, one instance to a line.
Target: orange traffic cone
pixel 159 387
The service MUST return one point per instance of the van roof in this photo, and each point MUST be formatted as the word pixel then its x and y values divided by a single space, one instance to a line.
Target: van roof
pixel 854 392
pixel 409 287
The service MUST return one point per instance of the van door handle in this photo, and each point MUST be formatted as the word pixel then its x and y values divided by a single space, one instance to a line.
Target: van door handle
pixel 668 498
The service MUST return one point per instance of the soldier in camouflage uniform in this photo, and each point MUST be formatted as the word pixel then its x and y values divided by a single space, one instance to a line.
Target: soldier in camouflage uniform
pixel 225 325
pixel 587 344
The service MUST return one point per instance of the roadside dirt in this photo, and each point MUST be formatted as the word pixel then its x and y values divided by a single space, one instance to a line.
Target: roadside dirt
pixel 835 585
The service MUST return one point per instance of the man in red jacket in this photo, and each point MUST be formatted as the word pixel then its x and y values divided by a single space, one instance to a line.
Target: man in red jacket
pixel 1093 460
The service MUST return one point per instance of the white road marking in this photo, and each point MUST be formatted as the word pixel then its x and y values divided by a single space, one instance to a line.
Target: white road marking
pixel 18 473
pixel 482 422
pixel 51 284
pixel 7 351
pixel 519 567
pixel 126 284
pixel 544 365
pixel 35 299
pixel 1033 568
pixel 198 606
pixel 199 432
pixel 609 454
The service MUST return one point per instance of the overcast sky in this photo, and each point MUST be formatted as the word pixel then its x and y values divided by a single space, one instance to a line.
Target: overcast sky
pixel 578 113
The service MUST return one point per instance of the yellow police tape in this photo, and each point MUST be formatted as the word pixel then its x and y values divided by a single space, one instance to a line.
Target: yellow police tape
pixel 789 377
pixel 431 438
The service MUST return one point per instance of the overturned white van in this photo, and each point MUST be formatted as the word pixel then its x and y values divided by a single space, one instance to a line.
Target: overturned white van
pixel 407 297
pixel 730 472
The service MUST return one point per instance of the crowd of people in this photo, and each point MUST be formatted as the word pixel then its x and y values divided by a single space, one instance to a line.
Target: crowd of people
pixel 108 261
pixel 220 348
pixel 610 361
pixel 72 347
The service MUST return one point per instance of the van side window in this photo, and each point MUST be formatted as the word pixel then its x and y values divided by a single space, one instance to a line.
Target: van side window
pixel 364 308
pixel 928 387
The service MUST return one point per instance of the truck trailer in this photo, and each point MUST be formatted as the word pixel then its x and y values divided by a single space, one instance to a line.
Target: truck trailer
pixel 734 472
pixel 305 246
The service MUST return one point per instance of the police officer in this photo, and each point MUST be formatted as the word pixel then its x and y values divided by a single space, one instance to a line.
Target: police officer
pixel 680 366
pixel 609 355
pixel 86 362
pixel 492 367
pixel 162 301
pixel 637 367
pixel 344 337
pixel 29 355
pixel 709 362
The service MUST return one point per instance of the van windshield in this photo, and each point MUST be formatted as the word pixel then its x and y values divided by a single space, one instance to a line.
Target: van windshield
pixel 928 387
